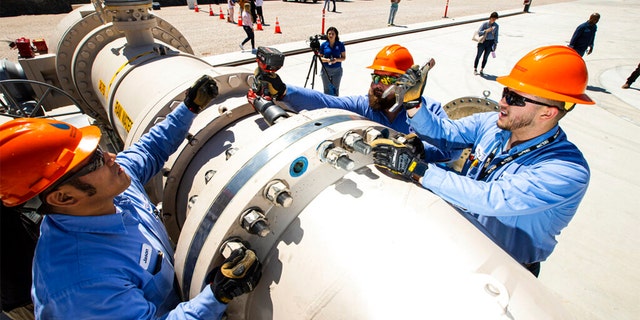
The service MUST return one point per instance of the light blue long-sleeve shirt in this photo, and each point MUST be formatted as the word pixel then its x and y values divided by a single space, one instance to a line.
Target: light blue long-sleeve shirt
pixel 118 266
pixel 306 99
pixel 523 204
pixel 493 35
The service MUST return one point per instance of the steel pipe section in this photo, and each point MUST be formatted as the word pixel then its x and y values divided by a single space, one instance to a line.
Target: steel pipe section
pixel 338 238
pixel 345 240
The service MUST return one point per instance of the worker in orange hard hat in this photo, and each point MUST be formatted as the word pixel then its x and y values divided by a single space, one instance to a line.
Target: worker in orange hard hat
pixel 388 65
pixel 523 180
pixel 103 252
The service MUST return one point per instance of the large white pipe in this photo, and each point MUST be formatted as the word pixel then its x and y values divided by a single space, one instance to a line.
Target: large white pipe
pixel 339 239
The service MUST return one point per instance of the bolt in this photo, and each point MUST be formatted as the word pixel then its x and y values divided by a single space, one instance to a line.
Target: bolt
pixel 278 193
pixel 354 141
pixel 255 223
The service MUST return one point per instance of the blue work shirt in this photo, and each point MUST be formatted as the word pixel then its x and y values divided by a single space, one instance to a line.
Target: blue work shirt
pixel 328 52
pixel 523 204
pixel 118 266
pixel 306 99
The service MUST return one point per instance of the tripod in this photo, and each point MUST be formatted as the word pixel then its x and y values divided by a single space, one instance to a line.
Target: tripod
pixel 314 66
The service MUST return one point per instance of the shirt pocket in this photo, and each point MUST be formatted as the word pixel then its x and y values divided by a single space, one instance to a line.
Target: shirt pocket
pixel 160 282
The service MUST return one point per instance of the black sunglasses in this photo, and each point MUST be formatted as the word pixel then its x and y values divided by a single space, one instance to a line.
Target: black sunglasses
pixel 95 163
pixel 514 99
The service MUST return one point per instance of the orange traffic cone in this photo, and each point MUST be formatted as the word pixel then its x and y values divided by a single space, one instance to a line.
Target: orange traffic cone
pixel 240 20
pixel 259 25
pixel 221 14
pixel 210 11
pixel 195 9
pixel 278 26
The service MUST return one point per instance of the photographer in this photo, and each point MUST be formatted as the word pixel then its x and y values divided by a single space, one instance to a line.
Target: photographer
pixel 332 52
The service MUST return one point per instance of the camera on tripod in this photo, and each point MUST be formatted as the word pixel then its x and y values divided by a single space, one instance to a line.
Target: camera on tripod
pixel 314 41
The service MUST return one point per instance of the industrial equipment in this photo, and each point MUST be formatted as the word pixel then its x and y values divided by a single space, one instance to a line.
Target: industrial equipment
pixel 338 238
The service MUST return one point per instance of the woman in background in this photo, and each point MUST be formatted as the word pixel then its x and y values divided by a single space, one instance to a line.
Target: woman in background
pixel 247 25
pixel 490 28
pixel 332 53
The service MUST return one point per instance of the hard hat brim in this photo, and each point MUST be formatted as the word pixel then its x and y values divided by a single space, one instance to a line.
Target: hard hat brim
pixel 387 69
pixel 86 147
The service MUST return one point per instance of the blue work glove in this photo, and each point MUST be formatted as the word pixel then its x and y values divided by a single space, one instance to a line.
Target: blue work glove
pixel 239 274
pixel 200 94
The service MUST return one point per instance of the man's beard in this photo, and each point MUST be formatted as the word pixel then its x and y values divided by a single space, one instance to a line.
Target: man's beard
pixel 376 102
pixel 515 123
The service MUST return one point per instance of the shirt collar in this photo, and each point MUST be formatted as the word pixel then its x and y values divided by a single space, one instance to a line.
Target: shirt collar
pixel 108 224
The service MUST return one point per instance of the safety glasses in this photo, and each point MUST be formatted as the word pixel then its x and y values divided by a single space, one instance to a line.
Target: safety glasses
pixel 95 163
pixel 386 80
pixel 514 99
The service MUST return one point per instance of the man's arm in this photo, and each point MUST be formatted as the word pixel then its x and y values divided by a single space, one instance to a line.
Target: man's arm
pixel 299 98
pixel 146 157
pixel 109 298
pixel 533 189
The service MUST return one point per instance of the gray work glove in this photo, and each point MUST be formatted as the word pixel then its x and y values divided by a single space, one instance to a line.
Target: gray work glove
pixel 200 94
pixel 410 86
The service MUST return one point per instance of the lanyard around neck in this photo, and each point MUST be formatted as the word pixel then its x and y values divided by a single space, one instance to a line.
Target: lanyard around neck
pixel 486 172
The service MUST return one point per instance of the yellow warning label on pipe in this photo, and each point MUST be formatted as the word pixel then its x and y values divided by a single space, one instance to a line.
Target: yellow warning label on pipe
pixel 126 121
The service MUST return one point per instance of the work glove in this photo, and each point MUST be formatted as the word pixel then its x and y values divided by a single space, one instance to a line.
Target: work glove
pixel 275 86
pixel 410 86
pixel 200 94
pixel 239 274
pixel 401 156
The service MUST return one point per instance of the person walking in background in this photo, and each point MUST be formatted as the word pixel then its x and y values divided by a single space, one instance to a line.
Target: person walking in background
pixel 584 35
pixel 259 12
pixel 247 25
pixel 632 78
pixel 241 4
pixel 490 31
pixel 392 12
pixel 254 15
pixel 326 5
pixel 230 10
pixel 332 54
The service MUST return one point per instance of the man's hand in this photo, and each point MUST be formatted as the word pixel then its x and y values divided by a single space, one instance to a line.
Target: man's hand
pixel 412 83
pixel 239 274
pixel 401 157
pixel 200 94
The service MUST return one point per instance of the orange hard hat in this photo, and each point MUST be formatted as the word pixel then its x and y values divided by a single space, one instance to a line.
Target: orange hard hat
pixel 393 58
pixel 552 72
pixel 35 152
